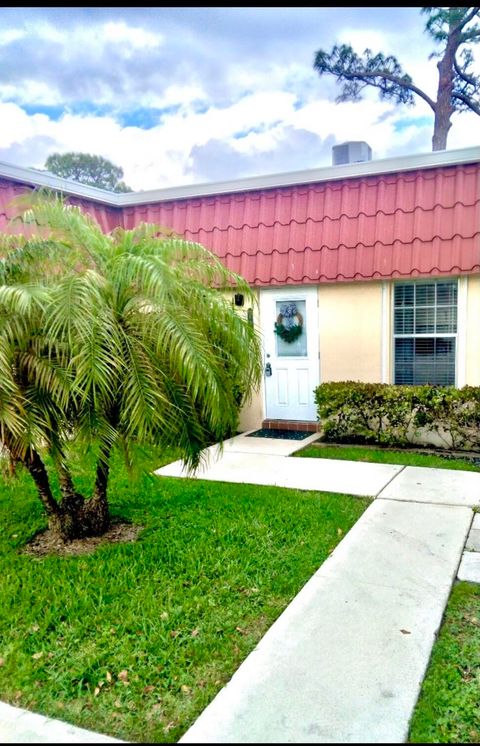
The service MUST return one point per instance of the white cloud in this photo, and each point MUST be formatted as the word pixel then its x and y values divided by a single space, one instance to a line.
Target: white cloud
pixel 183 96
pixel 465 130
pixel 120 33
pixel 237 95
pixel 77 40
pixel 361 39
pixel 32 91
pixel 161 156
pixel 253 110
pixel 44 31
pixel 18 126
pixel 9 35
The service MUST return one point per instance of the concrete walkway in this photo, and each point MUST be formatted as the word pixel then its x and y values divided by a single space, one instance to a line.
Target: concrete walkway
pixel 21 726
pixel 262 461
pixel 345 661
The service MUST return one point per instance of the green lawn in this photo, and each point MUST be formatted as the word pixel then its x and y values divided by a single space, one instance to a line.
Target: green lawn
pixel 448 710
pixel 384 456
pixel 135 639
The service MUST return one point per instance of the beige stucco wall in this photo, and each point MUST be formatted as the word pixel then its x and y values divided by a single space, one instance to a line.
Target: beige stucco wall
pixel 350 331
pixel 356 337
pixel 472 336
pixel 251 415
pixel 350 338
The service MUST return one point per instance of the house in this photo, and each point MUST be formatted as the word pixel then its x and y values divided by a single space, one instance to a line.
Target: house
pixel 377 262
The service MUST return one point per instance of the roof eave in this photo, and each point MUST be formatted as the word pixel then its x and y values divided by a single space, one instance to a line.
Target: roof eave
pixel 292 178
pixel 65 186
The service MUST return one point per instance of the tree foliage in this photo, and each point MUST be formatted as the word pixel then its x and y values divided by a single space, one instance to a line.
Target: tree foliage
pixel 454 31
pixel 92 170
pixel 113 340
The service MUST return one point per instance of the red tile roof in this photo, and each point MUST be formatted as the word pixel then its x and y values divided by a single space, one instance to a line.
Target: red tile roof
pixel 424 222
pixel 107 217
pixel 404 224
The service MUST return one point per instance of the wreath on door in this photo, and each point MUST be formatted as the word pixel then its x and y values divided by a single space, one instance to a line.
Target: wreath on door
pixel 289 323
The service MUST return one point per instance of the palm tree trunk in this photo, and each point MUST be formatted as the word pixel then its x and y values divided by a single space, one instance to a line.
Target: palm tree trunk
pixel 71 499
pixel 81 518
pixel 39 474
pixel 96 511
pixel 74 517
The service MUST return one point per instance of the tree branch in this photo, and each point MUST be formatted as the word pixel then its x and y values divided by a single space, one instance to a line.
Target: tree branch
pixel 471 36
pixel 469 17
pixel 467 101
pixel 462 74
pixel 393 79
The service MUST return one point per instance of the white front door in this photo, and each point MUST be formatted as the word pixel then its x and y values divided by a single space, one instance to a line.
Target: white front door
pixel 291 362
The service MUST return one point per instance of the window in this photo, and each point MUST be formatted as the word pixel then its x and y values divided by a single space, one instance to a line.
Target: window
pixel 425 332
pixel 292 313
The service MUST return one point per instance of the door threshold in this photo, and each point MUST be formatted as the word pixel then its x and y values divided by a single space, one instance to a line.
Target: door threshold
pixel 302 425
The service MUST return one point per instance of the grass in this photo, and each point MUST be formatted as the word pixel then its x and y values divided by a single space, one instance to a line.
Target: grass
pixel 448 707
pixel 134 640
pixel 384 456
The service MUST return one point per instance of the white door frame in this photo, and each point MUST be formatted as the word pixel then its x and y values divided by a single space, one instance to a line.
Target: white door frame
pixel 309 293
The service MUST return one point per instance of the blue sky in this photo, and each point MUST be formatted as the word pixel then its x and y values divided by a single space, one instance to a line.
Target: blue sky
pixel 189 95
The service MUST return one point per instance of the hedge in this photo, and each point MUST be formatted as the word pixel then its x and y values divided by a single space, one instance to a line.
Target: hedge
pixel 385 414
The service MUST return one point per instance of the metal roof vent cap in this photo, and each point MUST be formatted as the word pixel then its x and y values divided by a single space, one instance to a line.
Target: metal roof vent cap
pixel 351 152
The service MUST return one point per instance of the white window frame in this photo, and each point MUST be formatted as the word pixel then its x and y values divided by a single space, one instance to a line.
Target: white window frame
pixel 458 335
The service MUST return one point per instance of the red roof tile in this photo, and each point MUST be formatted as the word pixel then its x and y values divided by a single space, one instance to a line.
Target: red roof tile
pixel 424 222
pixel 107 217
pixel 413 223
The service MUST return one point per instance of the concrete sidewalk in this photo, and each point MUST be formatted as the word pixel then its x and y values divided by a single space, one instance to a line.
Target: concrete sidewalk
pixel 345 661
pixel 262 461
pixel 21 726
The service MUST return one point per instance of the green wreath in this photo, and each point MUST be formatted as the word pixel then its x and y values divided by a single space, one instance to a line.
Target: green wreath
pixel 289 333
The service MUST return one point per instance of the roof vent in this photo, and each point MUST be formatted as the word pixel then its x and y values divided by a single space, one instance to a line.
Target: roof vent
pixel 351 152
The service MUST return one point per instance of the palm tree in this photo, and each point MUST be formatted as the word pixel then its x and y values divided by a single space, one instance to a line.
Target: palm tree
pixel 129 338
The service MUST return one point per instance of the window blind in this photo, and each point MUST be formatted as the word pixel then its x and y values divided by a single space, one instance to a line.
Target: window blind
pixel 425 331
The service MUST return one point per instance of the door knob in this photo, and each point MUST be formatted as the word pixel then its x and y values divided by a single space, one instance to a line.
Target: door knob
pixel 268 369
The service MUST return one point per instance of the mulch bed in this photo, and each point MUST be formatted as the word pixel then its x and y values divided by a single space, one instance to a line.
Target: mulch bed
pixel 46 543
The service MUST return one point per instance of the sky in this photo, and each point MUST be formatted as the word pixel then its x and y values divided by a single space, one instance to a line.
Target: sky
pixel 188 95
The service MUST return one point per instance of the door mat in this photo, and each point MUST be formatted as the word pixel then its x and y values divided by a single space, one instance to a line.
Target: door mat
pixel 265 432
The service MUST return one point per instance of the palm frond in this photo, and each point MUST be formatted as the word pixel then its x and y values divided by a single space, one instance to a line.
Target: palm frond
pixel 123 338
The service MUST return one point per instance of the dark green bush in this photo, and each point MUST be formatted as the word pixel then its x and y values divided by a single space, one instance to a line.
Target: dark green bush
pixel 386 414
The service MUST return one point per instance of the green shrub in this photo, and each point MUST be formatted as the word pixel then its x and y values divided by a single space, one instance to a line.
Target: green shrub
pixel 387 414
